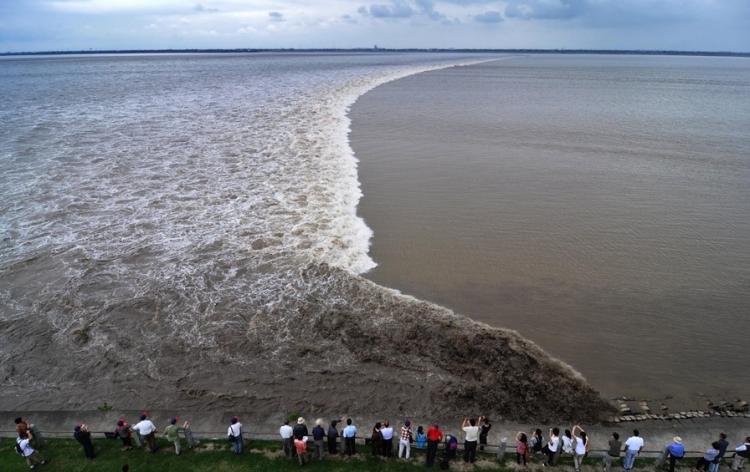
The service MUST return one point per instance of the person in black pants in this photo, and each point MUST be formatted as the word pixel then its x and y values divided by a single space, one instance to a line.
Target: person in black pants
pixel 83 436
pixel 471 431
pixel 434 436
pixel 332 435
pixel 484 431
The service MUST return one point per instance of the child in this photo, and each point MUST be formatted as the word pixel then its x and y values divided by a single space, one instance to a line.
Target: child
pixel 522 448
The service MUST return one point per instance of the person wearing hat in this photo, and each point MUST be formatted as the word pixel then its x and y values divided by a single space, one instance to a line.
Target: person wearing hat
pixel 300 429
pixel 300 433
pixel 675 451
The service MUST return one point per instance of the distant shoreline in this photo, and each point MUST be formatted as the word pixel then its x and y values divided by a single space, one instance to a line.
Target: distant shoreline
pixel 624 52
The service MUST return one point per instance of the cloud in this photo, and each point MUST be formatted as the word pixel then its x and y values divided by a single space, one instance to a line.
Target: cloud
pixel 202 9
pixel 396 9
pixel 404 9
pixel 489 17
pixel 36 25
pixel 545 9
pixel 427 8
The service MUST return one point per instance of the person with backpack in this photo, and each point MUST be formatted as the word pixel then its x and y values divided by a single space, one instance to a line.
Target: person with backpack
pixel 741 454
pixel 580 446
pixel 82 434
pixel 23 425
pixel 24 449
pixel 122 431
pixel 536 444
pixel 234 434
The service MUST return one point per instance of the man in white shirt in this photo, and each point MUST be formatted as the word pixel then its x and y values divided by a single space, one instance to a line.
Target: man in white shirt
pixel 33 459
pixel 387 432
pixel 286 437
pixel 471 433
pixel 349 434
pixel 147 431
pixel 633 447
pixel 552 449
pixel 234 433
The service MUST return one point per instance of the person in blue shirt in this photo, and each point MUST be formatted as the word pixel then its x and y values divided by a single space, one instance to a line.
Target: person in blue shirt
pixel 676 452
pixel 421 438
pixel 350 435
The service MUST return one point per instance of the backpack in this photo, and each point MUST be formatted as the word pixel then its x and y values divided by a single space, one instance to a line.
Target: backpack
pixel 19 450
pixel 536 444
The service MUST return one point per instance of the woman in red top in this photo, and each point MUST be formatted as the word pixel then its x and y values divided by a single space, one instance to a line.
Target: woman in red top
pixel 522 448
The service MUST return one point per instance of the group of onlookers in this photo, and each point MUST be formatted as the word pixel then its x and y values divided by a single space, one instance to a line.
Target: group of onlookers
pixel 382 439
pixel 575 443
pixel 296 440
pixel 711 459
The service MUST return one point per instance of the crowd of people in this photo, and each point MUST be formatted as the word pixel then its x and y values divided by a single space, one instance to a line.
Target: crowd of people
pixel 340 437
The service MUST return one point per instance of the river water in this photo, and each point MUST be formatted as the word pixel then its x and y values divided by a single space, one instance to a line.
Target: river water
pixel 600 205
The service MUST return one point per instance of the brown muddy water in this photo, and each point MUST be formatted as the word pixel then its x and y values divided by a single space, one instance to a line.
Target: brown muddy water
pixel 599 205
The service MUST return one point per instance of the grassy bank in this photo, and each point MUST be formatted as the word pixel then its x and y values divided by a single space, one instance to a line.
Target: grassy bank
pixel 67 455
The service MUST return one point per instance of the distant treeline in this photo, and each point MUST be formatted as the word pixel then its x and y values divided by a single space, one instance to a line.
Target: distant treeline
pixel 383 50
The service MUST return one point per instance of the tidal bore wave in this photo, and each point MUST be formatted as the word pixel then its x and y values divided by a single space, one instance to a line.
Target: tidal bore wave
pixel 188 238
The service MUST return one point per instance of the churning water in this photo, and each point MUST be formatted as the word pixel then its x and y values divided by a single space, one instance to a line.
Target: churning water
pixel 207 174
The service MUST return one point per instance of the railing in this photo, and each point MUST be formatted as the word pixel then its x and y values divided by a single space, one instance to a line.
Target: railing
pixel 499 449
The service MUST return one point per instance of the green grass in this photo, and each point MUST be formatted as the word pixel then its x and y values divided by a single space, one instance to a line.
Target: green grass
pixel 216 456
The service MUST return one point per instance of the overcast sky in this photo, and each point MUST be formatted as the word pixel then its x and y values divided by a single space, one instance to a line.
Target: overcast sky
pixel 34 25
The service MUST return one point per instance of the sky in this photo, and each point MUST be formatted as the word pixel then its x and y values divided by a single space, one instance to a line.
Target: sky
pixel 45 25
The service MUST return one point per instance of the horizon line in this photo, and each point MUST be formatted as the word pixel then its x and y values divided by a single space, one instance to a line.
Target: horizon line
pixel 664 52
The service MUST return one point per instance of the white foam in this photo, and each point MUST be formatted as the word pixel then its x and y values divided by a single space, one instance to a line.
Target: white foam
pixel 189 183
